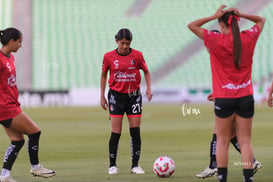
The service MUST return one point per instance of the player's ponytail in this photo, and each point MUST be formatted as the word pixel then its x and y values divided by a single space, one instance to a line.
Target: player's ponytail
pixel 237 44
pixel 9 34
pixel 124 33
pixel 231 21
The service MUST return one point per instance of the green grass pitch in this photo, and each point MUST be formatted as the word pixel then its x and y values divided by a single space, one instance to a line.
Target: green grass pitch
pixel 74 142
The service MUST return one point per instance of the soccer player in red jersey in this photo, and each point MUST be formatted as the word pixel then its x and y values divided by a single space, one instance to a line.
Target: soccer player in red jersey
pixel 231 57
pixel 211 170
pixel 15 122
pixel 124 95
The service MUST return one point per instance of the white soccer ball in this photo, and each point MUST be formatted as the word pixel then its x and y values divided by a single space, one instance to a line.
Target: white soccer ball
pixel 164 166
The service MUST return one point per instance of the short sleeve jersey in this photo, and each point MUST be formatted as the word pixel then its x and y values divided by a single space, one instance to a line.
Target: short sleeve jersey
pixel 124 70
pixel 9 104
pixel 227 80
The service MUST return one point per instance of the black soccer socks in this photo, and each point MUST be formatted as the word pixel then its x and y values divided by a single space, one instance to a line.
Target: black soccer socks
pixel 33 147
pixel 12 153
pixel 213 163
pixel 135 145
pixel 248 175
pixel 222 174
pixel 113 148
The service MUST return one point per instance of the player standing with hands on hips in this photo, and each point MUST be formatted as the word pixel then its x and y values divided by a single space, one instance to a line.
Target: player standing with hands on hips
pixel 231 57
pixel 124 95
pixel 15 122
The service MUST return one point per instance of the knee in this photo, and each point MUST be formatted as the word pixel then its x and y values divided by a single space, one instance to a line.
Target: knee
pixel 223 142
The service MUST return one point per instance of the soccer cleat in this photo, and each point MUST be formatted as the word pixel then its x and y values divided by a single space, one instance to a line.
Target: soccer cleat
pixel 137 170
pixel 113 170
pixel 208 172
pixel 42 172
pixel 6 179
pixel 256 166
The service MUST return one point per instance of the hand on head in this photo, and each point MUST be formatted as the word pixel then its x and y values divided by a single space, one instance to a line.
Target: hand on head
pixel 220 11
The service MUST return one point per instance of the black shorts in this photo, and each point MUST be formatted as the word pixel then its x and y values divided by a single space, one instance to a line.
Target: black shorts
pixel 243 106
pixel 6 123
pixel 129 103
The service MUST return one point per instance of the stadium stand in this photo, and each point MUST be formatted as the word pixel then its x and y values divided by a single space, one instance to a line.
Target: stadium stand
pixel 5 13
pixel 71 37
pixel 263 65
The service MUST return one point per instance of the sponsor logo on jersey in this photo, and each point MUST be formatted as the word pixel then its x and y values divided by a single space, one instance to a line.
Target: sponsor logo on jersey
pixel 133 62
pixel 116 63
pixel 12 81
pixel 8 66
pixel 231 86
pixel 124 77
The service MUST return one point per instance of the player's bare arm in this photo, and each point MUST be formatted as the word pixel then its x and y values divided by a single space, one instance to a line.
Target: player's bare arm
pixel 103 101
pixel 195 26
